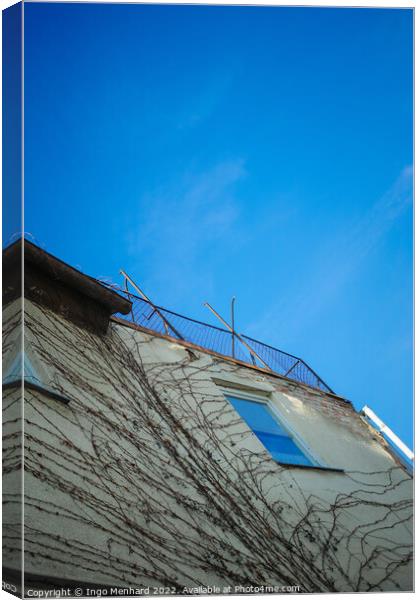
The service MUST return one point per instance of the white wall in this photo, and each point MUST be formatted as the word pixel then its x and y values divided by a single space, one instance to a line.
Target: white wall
pixel 149 477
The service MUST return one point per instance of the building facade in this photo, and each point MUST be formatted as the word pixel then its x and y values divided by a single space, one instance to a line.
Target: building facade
pixel 154 466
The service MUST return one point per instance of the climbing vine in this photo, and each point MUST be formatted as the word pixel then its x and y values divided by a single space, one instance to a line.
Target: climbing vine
pixel 145 478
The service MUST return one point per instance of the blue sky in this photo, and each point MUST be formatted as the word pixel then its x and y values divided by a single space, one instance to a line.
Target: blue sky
pixel 259 152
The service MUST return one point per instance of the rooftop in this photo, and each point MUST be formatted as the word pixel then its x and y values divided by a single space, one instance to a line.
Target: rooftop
pixel 218 340
pixel 55 277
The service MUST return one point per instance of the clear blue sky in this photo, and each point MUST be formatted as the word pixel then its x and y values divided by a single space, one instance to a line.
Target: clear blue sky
pixel 216 151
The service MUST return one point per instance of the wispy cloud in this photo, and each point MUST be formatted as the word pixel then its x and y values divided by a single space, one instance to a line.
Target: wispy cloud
pixel 330 268
pixel 367 232
pixel 177 226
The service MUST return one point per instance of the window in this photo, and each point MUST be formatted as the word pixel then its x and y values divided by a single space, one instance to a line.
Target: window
pixel 13 378
pixel 14 372
pixel 272 434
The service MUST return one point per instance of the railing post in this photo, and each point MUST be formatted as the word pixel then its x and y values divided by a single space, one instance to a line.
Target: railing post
pixel 232 311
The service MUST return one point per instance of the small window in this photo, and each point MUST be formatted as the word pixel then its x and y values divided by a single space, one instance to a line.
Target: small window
pixel 22 366
pixel 271 433
pixel 14 372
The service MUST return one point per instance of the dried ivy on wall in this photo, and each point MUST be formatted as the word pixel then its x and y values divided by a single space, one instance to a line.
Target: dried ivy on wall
pixel 145 478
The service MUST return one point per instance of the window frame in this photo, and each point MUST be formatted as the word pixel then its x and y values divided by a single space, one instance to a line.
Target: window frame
pixel 265 398
pixel 21 369
pixel 15 377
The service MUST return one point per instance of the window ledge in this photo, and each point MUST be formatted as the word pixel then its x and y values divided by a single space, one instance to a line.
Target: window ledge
pixel 310 467
pixel 15 383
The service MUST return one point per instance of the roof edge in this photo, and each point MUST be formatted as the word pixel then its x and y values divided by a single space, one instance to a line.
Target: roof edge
pixel 66 274
pixel 236 361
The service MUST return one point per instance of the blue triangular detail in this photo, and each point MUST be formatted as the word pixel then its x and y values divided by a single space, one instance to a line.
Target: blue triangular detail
pixel 14 372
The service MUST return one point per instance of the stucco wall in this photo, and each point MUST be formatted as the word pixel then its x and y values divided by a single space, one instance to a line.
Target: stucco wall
pixel 12 443
pixel 149 477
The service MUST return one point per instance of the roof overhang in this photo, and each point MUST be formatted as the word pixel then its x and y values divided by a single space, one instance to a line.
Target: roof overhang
pixel 48 280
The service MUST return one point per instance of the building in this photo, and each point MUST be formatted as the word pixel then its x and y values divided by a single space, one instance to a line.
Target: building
pixel 154 466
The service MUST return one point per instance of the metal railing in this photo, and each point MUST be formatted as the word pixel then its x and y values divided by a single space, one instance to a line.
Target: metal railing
pixel 220 341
